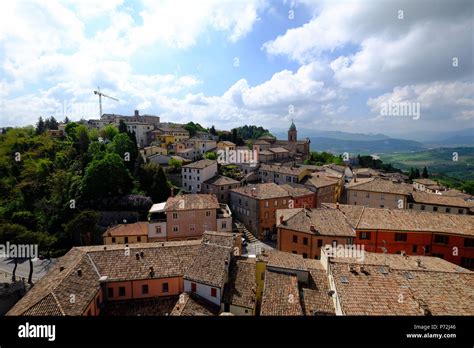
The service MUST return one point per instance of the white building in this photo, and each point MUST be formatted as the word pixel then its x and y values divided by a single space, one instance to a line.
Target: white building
pixel 194 174
pixel 140 129
pixel 201 145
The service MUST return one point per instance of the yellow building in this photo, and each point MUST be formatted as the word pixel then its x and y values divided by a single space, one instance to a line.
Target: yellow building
pixel 223 145
pixel 126 234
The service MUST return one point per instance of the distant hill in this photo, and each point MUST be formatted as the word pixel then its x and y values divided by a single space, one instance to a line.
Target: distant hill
pixel 386 145
pixel 439 161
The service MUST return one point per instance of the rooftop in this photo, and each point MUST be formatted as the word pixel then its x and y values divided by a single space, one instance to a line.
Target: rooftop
pixel 282 169
pixel 192 201
pixel 241 288
pixel 365 218
pixel 281 259
pixel 296 191
pixel 209 265
pixel 262 191
pixel 50 296
pixel 135 229
pixel 401 288
pixel 194 305
pixel 200 164
pixel 324 222
pixel 380 185
pixel 433 198
pixel 280 295
pixel 221 180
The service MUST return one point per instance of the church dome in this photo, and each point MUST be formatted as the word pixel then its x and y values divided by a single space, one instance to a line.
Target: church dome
pixel 292 127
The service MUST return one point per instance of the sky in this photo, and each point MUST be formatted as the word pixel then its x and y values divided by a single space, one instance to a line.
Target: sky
pixel 327 65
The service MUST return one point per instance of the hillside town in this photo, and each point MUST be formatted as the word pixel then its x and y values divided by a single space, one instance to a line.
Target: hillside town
pixel 259 230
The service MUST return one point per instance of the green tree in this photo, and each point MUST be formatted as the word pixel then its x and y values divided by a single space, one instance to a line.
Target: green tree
pixel 40 126
pixel 109 132
pixel 175 164
pixel 123 146
pixel 154 182
pixel 107 177
pixel 425 174
pixel 82 230
pixel 51 123
pixel 213 130
pixel 210 155
pixel 122 128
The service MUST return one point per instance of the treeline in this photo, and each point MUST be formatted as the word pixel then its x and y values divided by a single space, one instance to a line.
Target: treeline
pixel 50 188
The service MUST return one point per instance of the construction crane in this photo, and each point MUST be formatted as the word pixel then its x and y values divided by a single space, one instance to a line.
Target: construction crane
pixel 100 94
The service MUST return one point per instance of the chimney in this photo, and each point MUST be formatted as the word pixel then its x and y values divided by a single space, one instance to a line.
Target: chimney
pixel 137 113
pixel 152 272
pixel 355 177
pixel 79 272
pixel 61 268
pixel 312 229
pixel 172 192
pixel 418 262
pixel 337 205
pixel 281 219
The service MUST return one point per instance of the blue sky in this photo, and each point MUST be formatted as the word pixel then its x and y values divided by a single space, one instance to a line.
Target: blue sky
pixel 337 64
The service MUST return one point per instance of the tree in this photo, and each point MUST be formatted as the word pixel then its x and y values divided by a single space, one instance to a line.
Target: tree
pixel 424 174
pixel 210 155
pixel 123 146
pixel 82 139
pixel 417 173
pixel 109 132
pixel 107 177
pixel 11 233
pixel 122 127
pixel 40 126
pixel 66 120
pixel 44 242
pixel 51 123
pixel 213 130
pixel 176 164
pixel 154 182
pixel 82 230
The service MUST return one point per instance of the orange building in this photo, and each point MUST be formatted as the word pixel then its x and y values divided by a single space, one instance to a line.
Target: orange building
pixel 126 234
pixel 305 231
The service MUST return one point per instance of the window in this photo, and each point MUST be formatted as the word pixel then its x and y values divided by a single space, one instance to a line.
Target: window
pixel 422 207
pixel 175 215
pixel 320 243
pixel 414 249
pixel 467 262
pixel 367 195
pixel 139 239
pixel 460 211
pixel 213 292
pixel 165 287
pixel 224 225
pixel 275 203
pixel 158 229
pixel 222 188
pixel 305 256
pixel 294 252
pixel 441 239
pixel 121 290
pixel 208 213
pixel 305 241
pixel 435 208
pixel 400 237
pixel 469 242
pixel 193 287
pixel 410 206
pixel 382 206
pixel 145 289
pixel 334 242
pixel 295 239
pixel 364 235
pixel 191 228
pixel 126 240
pixel 110 292
pixel 448 210
pixel 175 229
pixel 113 239
pixel 382 197
pixel 266 204
pixel 426 249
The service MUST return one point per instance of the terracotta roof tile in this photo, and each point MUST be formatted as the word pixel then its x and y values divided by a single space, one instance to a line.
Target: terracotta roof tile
pixel 135 229
pixel 241 288
pixel 280 295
